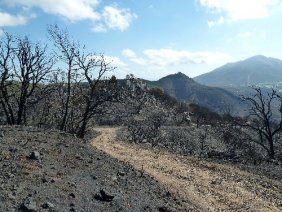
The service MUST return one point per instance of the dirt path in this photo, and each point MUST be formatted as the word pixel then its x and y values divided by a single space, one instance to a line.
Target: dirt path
pixel 208 186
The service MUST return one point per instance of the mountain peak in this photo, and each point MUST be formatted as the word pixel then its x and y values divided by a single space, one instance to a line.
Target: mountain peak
pixel 251 71
pixel 186 89
pixel 257 58
pixel 178 75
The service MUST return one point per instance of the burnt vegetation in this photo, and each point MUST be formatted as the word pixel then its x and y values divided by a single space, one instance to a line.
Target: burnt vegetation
pixel 57 87
pixel 64 86
pixel 189 129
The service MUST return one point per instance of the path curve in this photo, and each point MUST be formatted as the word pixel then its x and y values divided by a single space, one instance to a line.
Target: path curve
pixel 208 186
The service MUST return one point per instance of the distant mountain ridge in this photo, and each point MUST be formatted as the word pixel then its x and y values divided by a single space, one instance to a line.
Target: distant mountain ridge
pixel 184 88
pixel 252 71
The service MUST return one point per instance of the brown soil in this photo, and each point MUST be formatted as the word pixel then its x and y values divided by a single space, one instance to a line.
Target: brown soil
pixel 209 186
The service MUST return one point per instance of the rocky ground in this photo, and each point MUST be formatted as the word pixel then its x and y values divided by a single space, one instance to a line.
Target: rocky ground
pixel 44 170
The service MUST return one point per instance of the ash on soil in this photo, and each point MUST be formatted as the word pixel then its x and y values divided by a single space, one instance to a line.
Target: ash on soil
pixel 43 170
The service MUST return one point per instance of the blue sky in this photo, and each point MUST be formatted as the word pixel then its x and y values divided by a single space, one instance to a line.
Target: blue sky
pixel 154 38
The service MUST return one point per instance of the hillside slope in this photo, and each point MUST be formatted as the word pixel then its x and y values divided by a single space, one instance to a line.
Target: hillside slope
pixel 254 70
pixel 68 174
pixel 184 88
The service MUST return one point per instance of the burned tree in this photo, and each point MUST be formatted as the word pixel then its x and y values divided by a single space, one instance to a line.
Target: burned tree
pixel 97 90
pixel 6 56
pixel 66 54
pixel 265 118
pixel 24 69
pixel 80 83
pixel 31 68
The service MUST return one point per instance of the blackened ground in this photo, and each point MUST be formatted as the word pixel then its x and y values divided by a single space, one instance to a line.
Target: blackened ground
pixel 71 175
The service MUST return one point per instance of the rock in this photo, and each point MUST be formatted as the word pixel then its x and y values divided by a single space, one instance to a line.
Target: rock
pixel 12 149
pixel 72 195
pixel 164 209
pixel 44 180
pixel 1 134
pixel 72 210
pixel 48 205
pixel 35 155
pixel 10 175
pixel 114 178
pixel 78 157
pixel 29 205
pixel 121 173
pixel 12 196
pixel 104 196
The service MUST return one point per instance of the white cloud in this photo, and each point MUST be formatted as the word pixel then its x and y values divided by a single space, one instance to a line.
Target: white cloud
pixel 244 34
pixel 115 61
pixel 122 67
pixel 217 22
pixel 8 20
pixel 168 57
pixel 74 10
pixel 115 18
pixel 99 28
pixel 139 60
pixel 236 10
pixel 129 53
pixel 155 63
pixel 108 18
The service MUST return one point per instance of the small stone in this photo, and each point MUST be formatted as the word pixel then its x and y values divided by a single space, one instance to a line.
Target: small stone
pixel 10 175
pixel 35 155
pixel 29 205
pixel 72 195
pixel 72 210
pixel 12 149
pixel 94 177
pixel 1 134
pixel 78 157
pixel 164 209
pixel 73 184
pixel 104 196
pixel 11 196
pixel 213 182
pixel 44 180
pixel 121 173
pixel 114 178
pixel 48 205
